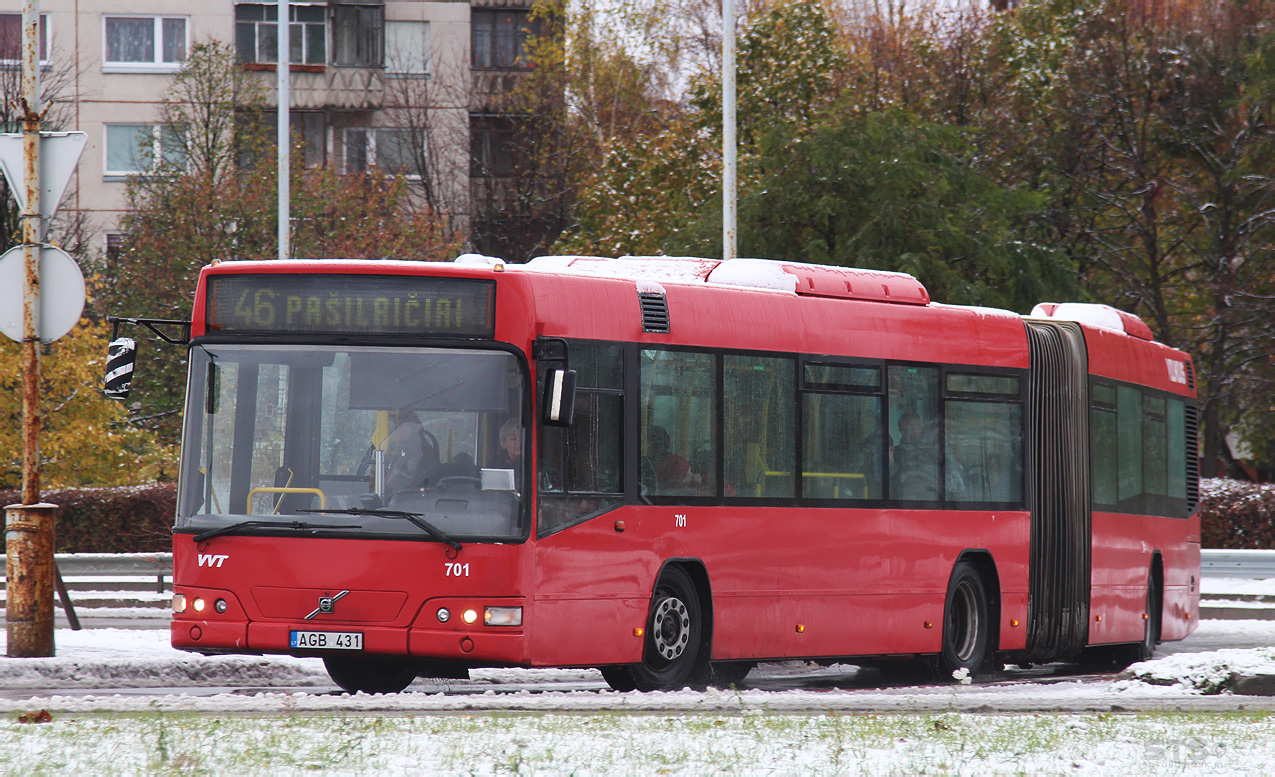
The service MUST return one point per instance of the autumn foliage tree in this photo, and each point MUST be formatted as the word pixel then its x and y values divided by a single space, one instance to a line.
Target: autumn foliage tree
pixel 86 440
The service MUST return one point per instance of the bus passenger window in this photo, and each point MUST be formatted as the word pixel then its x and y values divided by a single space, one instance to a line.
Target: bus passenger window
pixel 1102 445
pixel 678 412
pixel 1129 418
pixel 914 433
pixel 843 447
pixel 983 438
pixel 758 450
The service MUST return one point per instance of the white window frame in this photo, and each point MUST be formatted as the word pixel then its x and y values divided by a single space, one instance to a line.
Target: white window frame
pixel 46 25
pixel 295 28
pixel 156 65
pixel 157 149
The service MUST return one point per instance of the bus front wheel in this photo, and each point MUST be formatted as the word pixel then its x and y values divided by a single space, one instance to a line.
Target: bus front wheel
pixel 370 674
pixel 966 624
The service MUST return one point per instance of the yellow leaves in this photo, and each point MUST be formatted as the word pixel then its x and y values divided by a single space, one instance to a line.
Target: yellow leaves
pixel 86 439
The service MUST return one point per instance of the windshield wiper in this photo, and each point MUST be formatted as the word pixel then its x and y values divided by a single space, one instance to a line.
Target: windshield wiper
pixel 294 525
pixel 415 519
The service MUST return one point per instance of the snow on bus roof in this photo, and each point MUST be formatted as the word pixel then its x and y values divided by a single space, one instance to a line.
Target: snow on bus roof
pixel 747 273
pixel 979 309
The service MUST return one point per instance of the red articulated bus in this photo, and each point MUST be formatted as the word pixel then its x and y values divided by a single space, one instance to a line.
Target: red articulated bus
pixel 672 469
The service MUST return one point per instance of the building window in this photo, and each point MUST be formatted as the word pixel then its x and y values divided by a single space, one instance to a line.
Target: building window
pixel 393 151
pixel 492 150
pixel 11 39
pixel 142 149
pixel 499 39
pixel 312 128
pixel 358 35
pixel 116 247
pixel 407 48
pixel 257 33
pixel 145 41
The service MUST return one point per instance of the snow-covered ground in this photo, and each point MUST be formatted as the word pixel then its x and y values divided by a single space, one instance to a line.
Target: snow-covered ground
pixel 276 714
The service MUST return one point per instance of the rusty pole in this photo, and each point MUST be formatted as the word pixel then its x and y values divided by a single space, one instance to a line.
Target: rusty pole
pixel 29 526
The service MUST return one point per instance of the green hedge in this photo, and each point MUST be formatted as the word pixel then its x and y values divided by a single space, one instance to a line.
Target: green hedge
pixel 130 519
pixel 1237 515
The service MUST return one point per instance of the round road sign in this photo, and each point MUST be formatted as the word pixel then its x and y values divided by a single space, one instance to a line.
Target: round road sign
pixel 61 293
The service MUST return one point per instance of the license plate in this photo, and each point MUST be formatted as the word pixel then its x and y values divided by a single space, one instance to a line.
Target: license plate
pixel 327 640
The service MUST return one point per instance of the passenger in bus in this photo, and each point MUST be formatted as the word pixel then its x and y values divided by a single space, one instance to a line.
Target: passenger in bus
pixel 509 455
pixel 914 472
pixel 409 454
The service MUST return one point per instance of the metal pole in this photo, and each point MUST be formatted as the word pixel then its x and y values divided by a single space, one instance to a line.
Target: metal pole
pixel 285 138
pixel 29 526
pixel 728 130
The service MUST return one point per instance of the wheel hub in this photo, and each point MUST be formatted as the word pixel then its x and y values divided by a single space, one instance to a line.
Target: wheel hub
pixel 671 628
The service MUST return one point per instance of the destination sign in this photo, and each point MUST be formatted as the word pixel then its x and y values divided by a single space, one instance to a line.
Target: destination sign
pixel 350 304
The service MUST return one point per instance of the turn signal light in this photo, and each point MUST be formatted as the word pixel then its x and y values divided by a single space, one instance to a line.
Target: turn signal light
pixel 179 603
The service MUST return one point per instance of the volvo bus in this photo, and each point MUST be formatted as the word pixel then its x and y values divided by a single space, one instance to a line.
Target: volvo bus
pixel 671 469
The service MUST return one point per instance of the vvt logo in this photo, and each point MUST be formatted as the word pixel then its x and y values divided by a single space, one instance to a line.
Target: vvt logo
pixel 209 560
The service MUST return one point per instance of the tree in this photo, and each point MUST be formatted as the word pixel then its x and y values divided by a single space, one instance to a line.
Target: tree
pixel 886 191
pixel 86 440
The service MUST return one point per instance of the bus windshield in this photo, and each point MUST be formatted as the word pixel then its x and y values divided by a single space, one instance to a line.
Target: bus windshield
pixel 277 434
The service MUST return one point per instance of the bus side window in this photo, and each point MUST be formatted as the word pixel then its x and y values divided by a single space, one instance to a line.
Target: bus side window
pixel 984 438
pixel 914 433
pixel 842 432
pixel 678 414
pixel 759 449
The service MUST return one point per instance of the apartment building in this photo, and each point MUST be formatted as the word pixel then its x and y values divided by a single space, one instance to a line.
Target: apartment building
pixel 370 81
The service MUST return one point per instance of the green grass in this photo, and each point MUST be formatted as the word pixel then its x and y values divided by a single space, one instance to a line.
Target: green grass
pixel 1163 743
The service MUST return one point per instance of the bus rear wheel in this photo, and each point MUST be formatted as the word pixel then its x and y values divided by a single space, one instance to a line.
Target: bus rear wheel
pixel 967 626
pixel 370 674
pixel 674 635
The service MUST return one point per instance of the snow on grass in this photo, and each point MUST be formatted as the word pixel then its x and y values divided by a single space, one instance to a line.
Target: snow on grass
pixel 634 743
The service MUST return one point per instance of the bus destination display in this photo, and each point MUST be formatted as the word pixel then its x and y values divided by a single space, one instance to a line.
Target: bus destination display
pixel 351 304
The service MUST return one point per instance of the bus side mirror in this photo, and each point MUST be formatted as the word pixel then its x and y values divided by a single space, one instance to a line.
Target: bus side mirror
pixel 560 397
pixel 121 355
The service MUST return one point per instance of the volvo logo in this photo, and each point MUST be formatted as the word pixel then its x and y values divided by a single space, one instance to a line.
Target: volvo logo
pixel 326 605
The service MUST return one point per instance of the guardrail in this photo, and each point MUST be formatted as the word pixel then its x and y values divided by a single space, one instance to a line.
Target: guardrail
pixel 1254 564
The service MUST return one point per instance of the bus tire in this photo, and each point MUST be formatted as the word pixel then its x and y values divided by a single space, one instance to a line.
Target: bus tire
pixel 619 678
pixel 674 635
pixel 1118 657
pixel 370 674
pixel 967 626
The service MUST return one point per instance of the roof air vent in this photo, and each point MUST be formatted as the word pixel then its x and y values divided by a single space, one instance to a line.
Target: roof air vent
pixel 654 312
pixel 1190 375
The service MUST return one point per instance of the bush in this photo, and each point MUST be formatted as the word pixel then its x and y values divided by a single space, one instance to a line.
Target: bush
pixel 1237 515
pixel 128 519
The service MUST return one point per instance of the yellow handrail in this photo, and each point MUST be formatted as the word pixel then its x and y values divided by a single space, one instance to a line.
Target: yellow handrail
pixel 323 499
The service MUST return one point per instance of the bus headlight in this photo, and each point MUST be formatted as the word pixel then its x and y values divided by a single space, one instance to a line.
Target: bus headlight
pixel 502 616
pixel 469 616
pixel 198 605
pixel 179 603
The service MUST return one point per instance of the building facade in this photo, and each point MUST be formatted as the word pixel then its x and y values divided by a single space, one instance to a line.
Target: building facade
pixel 405 85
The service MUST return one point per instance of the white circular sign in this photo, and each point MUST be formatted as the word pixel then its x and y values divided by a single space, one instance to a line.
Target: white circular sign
pixel 61 293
